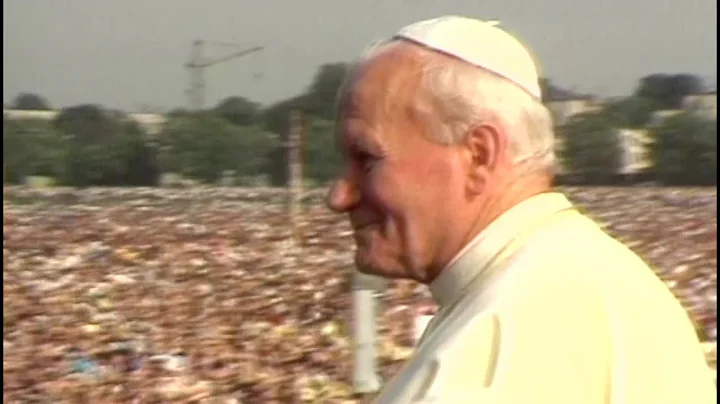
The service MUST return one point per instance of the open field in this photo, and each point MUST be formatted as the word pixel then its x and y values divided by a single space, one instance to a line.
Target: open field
pixel 210 273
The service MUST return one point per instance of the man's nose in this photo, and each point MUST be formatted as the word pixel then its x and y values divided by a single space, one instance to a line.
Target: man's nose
pixel 342 196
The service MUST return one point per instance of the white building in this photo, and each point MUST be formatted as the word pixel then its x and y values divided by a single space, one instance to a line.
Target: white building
pixel 635 155
pixel 704 104
pixel 151 123
pixel 660 116
pixel 563 110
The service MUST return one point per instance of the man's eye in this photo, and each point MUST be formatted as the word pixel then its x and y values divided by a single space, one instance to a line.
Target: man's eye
pixel 365 159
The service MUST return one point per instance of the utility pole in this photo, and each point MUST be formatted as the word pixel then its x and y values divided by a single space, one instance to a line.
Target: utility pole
pixel 293 149
pixel 196 67
pixel 294 159
pixel 196 92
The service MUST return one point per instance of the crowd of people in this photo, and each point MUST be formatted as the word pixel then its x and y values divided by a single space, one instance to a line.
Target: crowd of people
pixel 212 295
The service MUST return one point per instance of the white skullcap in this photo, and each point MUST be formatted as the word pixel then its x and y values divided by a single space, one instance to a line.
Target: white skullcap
pixel 480 43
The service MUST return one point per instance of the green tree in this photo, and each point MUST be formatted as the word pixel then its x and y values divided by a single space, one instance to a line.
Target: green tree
pixel 552 92
pixel 88 123
pixel 238 110
pixel 30 101
pixel 178 112
pixel 684 150
pixel 202 146
pixel 252 151
pixel 323 90
pixel 96 152
pixel 590 148
pixel 323 160
pixel 139 160
pixel 276 117
pixel 31 147
pixel 631 112
pixel 668 90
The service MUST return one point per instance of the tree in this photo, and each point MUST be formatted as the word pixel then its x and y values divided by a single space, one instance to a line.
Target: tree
pixel 319 99
pixel 276 118
pixel 238 110
pixel 323 90
pixel 203 146
pixel 30 101
pixel 668 90
pixel 323 160
pixel 195 146
pixel 31 147
pixel 551 92
pixel 95 153
pixel 179 112
pixel 88 123
pixel 631 112
pixel 684 150
pixel 252 147
pixel 139 157
pixel 590 148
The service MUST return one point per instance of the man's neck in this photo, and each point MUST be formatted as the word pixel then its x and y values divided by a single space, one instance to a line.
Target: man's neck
pixel 488 210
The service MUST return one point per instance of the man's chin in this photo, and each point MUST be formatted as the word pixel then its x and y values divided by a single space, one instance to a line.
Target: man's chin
pixel 368 267
pixel 364 266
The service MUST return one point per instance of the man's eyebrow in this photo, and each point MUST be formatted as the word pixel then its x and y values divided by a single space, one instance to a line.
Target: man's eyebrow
pixel 350 140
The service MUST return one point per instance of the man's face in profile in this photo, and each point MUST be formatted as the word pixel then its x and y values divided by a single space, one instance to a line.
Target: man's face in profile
pixel 397 187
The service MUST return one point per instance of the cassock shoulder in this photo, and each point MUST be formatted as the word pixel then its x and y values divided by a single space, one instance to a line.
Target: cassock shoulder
pixel 466 362
pixel 544 324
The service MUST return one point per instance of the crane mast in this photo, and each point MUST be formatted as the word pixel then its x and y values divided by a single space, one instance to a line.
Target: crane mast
pixel 196 68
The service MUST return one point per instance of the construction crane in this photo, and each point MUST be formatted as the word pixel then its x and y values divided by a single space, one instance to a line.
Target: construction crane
pixel 196 67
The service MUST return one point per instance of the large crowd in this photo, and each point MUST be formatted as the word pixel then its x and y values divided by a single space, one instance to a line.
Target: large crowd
pixel 210 295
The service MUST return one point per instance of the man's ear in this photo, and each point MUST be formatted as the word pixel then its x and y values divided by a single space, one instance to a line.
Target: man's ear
pixel 484 144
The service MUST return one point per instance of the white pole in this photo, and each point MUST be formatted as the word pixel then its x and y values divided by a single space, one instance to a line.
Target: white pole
pixel 365 376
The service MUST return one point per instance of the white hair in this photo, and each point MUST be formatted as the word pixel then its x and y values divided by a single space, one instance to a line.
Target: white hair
pixel 455 96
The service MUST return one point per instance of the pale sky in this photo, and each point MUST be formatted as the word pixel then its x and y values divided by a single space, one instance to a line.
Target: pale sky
pixel 129 54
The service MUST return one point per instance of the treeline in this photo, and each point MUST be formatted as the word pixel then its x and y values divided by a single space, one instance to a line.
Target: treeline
pixel 239 142
pixel 682 150
pixel 88 146
pixel 674 136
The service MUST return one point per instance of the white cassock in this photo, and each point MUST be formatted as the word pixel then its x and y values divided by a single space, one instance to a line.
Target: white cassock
pixel 544 307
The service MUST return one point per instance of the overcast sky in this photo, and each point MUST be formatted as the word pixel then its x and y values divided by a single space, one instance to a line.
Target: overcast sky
pixel 129 54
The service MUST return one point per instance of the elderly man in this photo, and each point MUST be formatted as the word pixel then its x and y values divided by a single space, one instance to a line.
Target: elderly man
pixel 449 156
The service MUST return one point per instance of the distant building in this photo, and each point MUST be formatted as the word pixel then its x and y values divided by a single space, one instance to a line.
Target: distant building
pixel 635 155
pixel 151 123
pixel 704 104
pixel 29 114
pixel 635 151
pixel 564 109
pixel 658 117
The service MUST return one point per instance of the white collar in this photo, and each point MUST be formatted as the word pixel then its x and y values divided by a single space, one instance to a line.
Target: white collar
pixel 481 251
